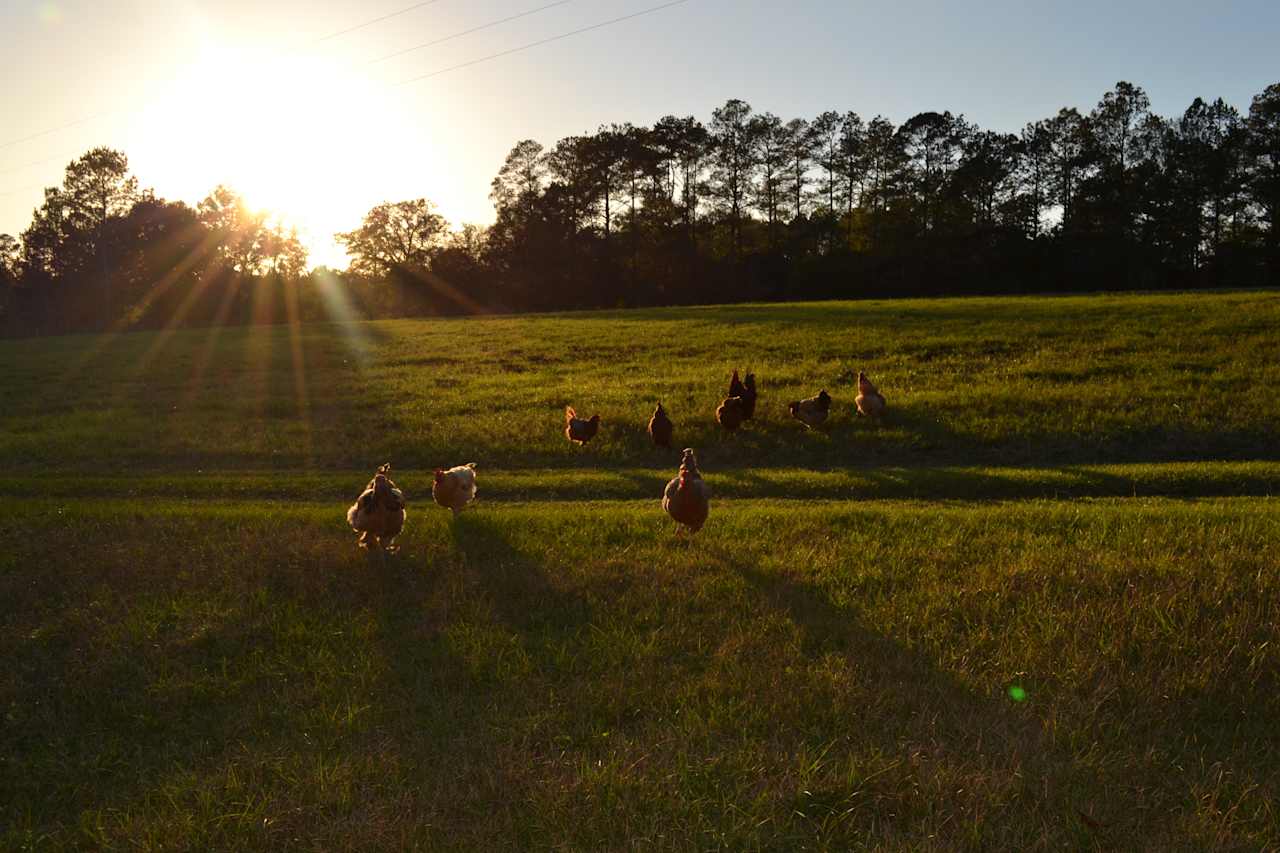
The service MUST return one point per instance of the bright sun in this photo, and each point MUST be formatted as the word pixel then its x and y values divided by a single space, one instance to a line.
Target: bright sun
pixel 306 138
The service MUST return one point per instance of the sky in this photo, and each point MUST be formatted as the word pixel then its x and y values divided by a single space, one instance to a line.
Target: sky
pixel 265 98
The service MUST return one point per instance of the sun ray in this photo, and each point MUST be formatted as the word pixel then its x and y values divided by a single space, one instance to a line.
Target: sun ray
pixel 299 363
pixel 106 338
pixel 274 159
pixel 342 313
pixel 217 325
pixel 201 283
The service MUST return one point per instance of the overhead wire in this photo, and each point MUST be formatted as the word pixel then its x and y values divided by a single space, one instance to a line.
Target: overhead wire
pixel 468 32
pixel 541 42
pixel 328 37
pixel 418 78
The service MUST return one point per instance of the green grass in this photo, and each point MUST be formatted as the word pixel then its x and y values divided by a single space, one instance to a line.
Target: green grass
pixel 1039 608
pixel 1052 381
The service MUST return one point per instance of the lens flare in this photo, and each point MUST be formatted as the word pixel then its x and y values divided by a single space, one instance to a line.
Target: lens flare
pixel 1017 694
pixel 50 14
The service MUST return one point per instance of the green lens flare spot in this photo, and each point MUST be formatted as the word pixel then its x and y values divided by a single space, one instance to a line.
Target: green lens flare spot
pixel 50 13
pixel 1017 694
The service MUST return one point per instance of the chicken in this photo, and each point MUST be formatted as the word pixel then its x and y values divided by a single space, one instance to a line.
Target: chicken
pixel 661 428
pixel 731 412
pixel 455 488
pixel 746 390
pixel 813 411
pixel 378 514
pixel 577 429
pixel 870 402
pixel 687 499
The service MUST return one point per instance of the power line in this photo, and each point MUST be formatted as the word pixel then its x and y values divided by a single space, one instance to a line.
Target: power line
pixel 66 126
pixel 34 163
pixel 370 23
pixel 489 25
pixel 541 42
pixel 324 38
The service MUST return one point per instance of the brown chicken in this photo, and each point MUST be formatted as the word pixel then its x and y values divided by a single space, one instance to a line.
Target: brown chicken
pixel 577 429
pixel 687 499
pixel 746 390
pixel 378 514
pixel 731 412
pixel 813 411
pixel 661 428
pixel 870 402
pixel 455 488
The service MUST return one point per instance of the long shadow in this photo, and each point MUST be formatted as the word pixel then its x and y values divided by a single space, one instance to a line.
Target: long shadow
pixel 516 584
pixel 921 709
pixel 1038 482
pixel 1231 724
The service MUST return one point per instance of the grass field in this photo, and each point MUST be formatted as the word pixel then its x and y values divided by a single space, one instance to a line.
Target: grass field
pixel 1037 608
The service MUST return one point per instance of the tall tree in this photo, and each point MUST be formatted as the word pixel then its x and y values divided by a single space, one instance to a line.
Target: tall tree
pixel 641 169
pixel 395 237
pixel 240 233
pixel 983 177
pixel 98 186
pixel 799 149
pixel 1068 143
pixel 1264 147
pixel 46 242
pixel 67 242
pixel 1035 167
pixel 1208 165
pixel 853 163
pixel 522 175
pixel 735 161
pixel 607 153
pixel 683 146
pixel 825 131
pixel 1116 130
pixel 68 231
pixel 573 169
pixel 770 138
pixel 932 144
pixel 9 248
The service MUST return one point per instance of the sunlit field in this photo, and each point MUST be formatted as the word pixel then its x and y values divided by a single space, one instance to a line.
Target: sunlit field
pixel 1038 607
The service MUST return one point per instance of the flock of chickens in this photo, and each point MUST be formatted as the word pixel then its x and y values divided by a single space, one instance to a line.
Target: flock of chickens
pixel 378 514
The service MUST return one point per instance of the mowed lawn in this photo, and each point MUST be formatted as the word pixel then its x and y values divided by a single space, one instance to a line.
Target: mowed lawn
pixel 1037 608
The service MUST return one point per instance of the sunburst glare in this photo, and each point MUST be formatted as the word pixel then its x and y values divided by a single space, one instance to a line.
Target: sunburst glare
pixel 303 137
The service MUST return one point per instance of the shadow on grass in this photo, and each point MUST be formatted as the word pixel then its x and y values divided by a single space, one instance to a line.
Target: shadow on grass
pixel 934 725
pixel 1227 729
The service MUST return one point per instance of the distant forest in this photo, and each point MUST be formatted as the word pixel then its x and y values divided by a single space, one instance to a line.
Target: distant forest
pixel 746 206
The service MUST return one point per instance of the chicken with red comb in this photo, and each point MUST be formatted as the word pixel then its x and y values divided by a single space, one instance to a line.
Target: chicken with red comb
pixel 687 498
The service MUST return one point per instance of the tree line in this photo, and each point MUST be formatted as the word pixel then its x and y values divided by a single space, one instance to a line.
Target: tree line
pixel 744 206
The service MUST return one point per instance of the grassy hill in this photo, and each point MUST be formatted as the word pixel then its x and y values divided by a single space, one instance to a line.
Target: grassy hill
pixel 1038 607
pixel 976 381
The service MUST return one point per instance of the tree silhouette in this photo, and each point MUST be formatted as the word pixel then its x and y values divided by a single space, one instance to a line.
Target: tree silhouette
pixel 1264 147
pixel 734 156
pixel 770 137
pixel 396 236
pixel 853 165
pixel 521 177
pixel 748 206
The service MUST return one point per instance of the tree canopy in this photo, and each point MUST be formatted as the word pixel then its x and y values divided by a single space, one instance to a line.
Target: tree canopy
pixel 746 205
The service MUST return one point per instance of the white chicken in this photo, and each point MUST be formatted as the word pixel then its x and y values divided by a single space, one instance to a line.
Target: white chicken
pixel 455 488
pixel 870 402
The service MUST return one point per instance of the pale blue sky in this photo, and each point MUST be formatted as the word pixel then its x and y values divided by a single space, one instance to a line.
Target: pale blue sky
pixel 196 99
